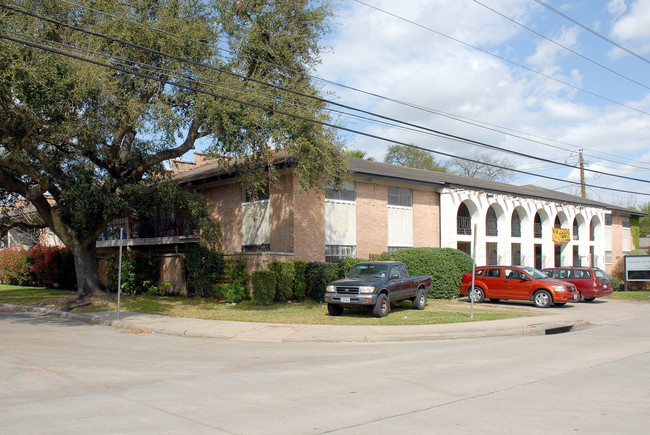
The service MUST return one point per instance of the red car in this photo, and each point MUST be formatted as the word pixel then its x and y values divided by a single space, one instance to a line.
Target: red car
pixel 591 282
pixel 516 282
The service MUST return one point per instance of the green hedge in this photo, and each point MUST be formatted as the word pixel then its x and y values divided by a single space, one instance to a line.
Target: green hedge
pixel 318 275
pixel 264 283
pixel 139 271
pixel 286 272
pixel 445 265
pixel 299 283
pixel 203 268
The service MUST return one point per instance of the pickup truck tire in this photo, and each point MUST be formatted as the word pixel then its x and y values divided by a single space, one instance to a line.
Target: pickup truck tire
pixel 420 301
pixel 334 310
pixel 382 306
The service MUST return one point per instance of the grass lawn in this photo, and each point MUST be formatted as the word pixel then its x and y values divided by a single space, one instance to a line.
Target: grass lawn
pixel 630 296
pixel 308 312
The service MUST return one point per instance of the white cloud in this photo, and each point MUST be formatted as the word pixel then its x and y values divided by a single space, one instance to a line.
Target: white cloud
pixel 390 57
pixel 634 28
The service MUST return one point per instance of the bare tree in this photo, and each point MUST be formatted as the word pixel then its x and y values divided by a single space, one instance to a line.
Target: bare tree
pixel 484 166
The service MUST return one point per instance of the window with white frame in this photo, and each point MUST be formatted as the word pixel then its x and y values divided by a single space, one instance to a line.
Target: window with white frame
pixel 256 234
pixel 337 252
pixel 340 222
pixel 400 218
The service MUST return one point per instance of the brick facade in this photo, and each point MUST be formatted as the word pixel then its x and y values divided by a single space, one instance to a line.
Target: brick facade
pixel 372 219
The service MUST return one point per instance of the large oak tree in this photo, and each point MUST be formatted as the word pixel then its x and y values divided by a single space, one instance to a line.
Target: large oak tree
pixel 96 95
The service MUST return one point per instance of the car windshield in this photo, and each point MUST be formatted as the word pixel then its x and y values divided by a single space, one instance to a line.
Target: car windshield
pixel 362 270
pixel 534 273
pixel 600 275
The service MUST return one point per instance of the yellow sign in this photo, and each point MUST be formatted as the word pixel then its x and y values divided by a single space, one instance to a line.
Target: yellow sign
pixel 561 235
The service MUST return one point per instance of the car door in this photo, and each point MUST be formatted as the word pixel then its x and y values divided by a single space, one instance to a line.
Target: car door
pixel 395 283
pixel 493 283
pixel 515 284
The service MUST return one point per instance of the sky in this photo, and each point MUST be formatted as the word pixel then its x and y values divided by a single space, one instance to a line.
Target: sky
pixel 511 74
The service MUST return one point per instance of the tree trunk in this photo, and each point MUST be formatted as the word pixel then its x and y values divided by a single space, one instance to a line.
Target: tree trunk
pixel 85 261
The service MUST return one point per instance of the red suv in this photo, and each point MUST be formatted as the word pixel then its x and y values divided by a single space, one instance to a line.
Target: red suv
pixel 591 282
pixel 515 282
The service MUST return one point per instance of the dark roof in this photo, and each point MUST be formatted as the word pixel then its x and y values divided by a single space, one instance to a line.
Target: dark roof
pixel 214 171
pixel 444 180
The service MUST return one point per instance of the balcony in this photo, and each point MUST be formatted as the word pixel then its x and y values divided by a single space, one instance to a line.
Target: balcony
pixel 149 232
pixel 464 225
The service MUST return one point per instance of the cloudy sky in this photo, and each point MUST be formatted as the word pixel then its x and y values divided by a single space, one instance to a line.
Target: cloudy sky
pixel 507 73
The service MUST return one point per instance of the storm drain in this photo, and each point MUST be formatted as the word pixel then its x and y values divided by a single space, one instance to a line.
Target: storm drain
pixel 558 329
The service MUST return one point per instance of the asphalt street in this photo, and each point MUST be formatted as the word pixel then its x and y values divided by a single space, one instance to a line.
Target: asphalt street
pixel 61 375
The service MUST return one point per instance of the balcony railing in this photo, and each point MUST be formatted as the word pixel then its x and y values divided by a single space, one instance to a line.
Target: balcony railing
pixel 538 230
pixel 465 225
pixel 491 228
pixel 150 229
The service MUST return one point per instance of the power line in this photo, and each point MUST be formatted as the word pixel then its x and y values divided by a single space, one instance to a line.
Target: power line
pixel 458 118
pixel 280 112
pixel 562 46
pixel 503 58
pixel 593 32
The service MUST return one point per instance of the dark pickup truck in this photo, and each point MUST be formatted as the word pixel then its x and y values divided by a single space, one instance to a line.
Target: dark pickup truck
pixel 376 284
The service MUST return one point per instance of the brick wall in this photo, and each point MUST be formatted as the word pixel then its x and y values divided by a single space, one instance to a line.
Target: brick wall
pixel 372 219
pixel 308 223
pixel 227 208
pixel 281 210
pixel 426 219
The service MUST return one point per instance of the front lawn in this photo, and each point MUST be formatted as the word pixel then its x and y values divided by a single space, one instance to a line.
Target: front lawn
pixel 630 296
pixel 307 312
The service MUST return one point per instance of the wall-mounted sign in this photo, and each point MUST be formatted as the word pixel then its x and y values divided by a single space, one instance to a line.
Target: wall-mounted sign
pixel 561 235
pixel 637 268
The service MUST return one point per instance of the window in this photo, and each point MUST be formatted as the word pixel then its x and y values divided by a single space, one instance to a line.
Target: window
pixel 576 229
pixel 492 273
pixel 262 247
pixel 626 222
pixel 515 225
pixel 538 226
pixel 248 196
pixel 464 221
pixel 515 254
pixel 400 196
pixel 348 192
pixel 608 220
pixel 513 274
pixel 491 228
pixel 608 257
pixel 337 252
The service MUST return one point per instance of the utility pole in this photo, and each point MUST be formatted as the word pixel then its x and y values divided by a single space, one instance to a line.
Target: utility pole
pixel 583 190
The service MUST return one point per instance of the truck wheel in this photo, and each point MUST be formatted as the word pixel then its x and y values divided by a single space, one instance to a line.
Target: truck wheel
pixel 542 299
pixel 420 300
pixel 382 307
pixel 334 310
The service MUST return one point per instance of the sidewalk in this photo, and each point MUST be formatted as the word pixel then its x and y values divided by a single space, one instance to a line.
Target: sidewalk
pixel 554 320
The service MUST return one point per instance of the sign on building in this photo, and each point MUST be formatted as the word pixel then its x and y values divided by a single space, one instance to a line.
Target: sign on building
pixel 561 235
pixel 637 268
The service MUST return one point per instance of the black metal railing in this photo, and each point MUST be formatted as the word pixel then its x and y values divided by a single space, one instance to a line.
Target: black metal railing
pixel 491 228
pixel 150 229
pixel 464 225
pixel 538 230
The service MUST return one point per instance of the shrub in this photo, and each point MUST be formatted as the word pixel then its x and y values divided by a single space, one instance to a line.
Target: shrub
pixel 317 276
pixel 299 283
pixel 264 283
pixel 286 272
pixel 345 264
pixel 203 267
pixel 14 266
pixel 445 265
pixel 52 266
pixel 236 289
pixel 139 271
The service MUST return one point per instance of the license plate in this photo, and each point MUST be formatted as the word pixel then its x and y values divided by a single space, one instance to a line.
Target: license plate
pixel 345 299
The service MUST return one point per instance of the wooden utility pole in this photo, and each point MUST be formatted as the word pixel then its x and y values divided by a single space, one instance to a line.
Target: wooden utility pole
pixel 583 190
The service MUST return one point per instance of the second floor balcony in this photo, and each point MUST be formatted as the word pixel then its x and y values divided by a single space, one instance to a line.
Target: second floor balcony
pixel 147 232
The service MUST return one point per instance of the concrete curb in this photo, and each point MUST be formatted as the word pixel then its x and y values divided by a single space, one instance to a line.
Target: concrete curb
pixel 289 333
